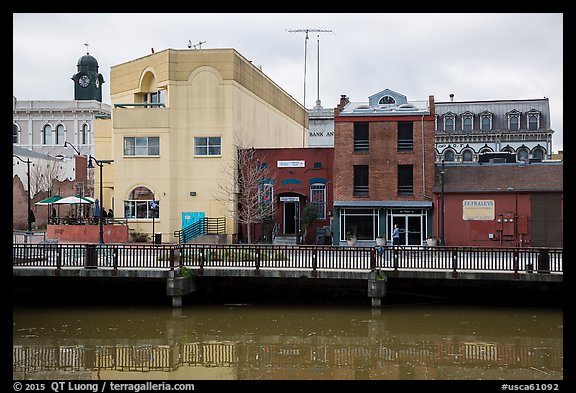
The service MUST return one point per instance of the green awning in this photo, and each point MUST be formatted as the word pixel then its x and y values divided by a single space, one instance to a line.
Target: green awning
pixel 49 201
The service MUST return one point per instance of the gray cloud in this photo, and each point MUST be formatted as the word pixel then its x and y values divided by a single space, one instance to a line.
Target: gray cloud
pixel 474 56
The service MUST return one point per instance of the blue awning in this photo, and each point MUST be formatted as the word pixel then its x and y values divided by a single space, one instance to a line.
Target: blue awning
pixel 394 204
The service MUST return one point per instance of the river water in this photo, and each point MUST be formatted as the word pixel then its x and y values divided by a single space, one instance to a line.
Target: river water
pixel 403 341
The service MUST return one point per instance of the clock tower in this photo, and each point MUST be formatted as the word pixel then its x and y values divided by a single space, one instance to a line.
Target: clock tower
pixel 87 81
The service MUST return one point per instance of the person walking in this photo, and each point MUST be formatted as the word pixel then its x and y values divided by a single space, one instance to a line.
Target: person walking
pixel 396 236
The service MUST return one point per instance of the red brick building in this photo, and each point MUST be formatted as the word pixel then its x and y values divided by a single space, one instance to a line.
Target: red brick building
pixel 383 168
pixel 501 205
pixel 298 176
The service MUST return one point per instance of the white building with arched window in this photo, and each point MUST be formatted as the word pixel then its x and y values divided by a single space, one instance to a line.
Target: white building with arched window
pixel 466 129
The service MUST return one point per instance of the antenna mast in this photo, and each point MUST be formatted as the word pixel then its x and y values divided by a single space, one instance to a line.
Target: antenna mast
pixel 305 53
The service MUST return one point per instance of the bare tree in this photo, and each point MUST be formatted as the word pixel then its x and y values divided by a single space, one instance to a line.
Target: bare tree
pixel 43 174
pixel 246 188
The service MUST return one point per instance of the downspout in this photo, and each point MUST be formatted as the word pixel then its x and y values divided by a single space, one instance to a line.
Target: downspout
pixel 423 159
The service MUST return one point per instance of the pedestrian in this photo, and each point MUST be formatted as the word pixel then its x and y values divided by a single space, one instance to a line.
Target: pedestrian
pixel 396 236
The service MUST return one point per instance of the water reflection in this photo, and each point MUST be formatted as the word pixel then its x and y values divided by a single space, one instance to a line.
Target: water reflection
pixel 247 342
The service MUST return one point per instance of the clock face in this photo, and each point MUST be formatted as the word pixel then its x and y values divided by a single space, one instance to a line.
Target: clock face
pixel 84 81
pixel 97 83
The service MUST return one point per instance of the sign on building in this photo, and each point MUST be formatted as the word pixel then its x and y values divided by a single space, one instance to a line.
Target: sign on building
pixel 478 209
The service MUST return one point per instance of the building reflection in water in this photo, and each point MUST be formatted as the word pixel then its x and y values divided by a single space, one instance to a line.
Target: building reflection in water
pixel 246 342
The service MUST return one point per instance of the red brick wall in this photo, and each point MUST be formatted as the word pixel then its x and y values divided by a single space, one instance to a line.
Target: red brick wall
pixel 87 233
pixel 383 158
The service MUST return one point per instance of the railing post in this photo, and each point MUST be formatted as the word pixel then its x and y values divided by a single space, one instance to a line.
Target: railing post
pixel 372 259
pixel 58 261
pixel 314 262
pixel 543 261
pixel 202 260
pixel 257 261
pixel 115 261
pixel 172 259
pixel 395 257
pixel 454 263
pixel 516 264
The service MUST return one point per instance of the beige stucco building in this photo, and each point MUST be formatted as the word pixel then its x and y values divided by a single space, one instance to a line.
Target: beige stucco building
pixel 177 118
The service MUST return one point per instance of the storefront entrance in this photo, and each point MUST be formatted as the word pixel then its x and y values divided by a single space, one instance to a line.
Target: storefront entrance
pixel 291 215
pixel 412 225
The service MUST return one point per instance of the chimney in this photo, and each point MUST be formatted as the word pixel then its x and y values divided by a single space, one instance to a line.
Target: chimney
pixel 451 97
pixel 343 101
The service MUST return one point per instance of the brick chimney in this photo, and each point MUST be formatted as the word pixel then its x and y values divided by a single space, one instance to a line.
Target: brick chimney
pixel 343 102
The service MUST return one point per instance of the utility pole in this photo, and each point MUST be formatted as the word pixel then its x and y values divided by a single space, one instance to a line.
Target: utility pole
pixel 305 54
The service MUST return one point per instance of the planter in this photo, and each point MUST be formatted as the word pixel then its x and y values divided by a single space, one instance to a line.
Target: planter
pixel 380 241
pixel 432 242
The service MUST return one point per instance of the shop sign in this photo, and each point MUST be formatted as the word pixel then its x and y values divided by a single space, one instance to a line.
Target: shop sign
pixel 478 209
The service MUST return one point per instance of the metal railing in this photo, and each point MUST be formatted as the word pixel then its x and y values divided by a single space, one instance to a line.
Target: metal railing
pixel 204 226
pixel 260 256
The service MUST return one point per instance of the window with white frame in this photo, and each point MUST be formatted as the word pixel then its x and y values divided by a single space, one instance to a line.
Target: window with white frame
pixel 485 122
pixel 362 223
pixel 138 204
pixel 513 120
pixel 208 146
pixel 142 146
pixel 47 135
pixel 533 120
pixel 318 199
pixel 60 134
pixel 449 121
pixel 467 121
pixel 84 134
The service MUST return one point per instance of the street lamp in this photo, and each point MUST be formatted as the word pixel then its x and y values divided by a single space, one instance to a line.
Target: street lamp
pixel 100 163
pixel 442 171
pixel 27 162
pixel 66 144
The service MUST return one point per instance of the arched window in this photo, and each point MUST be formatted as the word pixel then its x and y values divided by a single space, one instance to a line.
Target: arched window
pixel 522 154
pixel 84 135
pixel 387 100
pixel 138 204
pixel 467 124
pixel 15 131
pixel 514 123
pixel 485 123
pixel 467 155
pixel 47 135
pixel 60 134
pixel 532 123
pixel 449 124
pixel 449 155
pixel 538 154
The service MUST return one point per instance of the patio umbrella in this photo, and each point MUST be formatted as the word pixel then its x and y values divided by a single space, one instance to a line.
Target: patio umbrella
pixel 49 201
pixel 73 200
pixel 96 209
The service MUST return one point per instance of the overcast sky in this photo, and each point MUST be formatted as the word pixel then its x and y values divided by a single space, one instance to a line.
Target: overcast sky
pixel 474 56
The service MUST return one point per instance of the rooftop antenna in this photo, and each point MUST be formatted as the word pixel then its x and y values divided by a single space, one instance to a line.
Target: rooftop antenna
pixel 86 48
pixel 195 46
pixel 305 53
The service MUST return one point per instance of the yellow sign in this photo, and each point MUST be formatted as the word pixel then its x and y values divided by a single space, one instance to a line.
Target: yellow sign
pixel 478 209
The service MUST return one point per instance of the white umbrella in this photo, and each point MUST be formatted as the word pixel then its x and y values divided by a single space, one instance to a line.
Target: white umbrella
pixel 73 200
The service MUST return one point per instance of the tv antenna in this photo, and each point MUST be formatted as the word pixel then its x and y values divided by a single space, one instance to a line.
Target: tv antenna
pixel 305 54
pixel 196 46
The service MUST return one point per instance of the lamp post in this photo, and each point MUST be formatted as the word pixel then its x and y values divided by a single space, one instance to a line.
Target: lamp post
pixel 442 172
pixel 100 163
pixel 27 162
